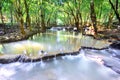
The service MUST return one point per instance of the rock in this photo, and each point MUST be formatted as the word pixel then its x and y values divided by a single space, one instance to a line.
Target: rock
pixel 93 48
pixel 9 59
pixel 114 64
pixel 24 58
pixel 115 45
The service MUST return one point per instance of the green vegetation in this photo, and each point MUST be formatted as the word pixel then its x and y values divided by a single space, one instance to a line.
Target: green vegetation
pixel 47 13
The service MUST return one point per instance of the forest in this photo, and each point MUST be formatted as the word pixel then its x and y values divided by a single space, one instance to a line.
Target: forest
pixel 59 39
pixel 43 14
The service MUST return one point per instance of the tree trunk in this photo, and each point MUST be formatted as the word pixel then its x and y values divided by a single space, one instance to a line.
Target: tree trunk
pixel 48 22
pixel 93 16
pixel 28 20
pixel 110 20
pixel 77 25
pixel 11 15
pixel 43 27
pixel 1 16
pixel 115 8
pixel 19 16
pixel 22 26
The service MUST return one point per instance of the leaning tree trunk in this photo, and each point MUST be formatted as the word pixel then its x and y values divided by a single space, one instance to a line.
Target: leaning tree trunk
pixel 115 8
pixel 93 16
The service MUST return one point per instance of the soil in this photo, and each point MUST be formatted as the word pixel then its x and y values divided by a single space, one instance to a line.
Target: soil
pixel 16 36
pixel 112 35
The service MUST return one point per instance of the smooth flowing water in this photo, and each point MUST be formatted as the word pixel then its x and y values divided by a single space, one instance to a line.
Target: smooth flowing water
pixel 88 65
pixel 51 43
pixel 78 67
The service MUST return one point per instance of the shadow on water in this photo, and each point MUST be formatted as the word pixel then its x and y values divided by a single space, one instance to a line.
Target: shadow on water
pixel 88 65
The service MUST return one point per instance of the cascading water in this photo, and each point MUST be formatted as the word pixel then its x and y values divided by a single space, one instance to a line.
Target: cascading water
pixel 87 65
pixel 70 68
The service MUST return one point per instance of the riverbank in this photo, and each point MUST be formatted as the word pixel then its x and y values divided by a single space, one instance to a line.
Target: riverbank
pixel 17 36
pixel 83 51
pixel 112 35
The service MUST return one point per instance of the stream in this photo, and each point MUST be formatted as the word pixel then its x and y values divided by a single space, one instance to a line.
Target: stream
pixel 89 64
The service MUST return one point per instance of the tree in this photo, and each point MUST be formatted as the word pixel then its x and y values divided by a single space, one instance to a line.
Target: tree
pixel 1 13
pixel 28 20
pixel 74 10
pixel 19 14
pixel 93 16
pixel 115 8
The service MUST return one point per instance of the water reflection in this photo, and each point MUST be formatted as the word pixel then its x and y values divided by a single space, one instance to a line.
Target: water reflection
pixel 51 43
pixel 85 66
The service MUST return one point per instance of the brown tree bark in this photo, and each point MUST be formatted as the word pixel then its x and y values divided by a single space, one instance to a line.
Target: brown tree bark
pixel 19 16
pixel 115 8
pixel 110 20
pixel 22 26
pixel 1 14
pixel 93 16
pixel 11 15
pixel 75 15
pixel 28 20
pixel 43 27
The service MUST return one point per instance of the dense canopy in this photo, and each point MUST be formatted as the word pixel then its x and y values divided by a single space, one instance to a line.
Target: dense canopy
pixel 47 13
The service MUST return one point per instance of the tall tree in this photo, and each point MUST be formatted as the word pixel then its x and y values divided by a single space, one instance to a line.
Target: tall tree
pixel 28 20
pixel 93 15
pixel 1 13
pixel 74 10
pixel 43 26
pixel 19 15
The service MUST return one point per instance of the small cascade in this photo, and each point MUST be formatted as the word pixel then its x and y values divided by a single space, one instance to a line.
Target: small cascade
pixel 42 64
pixel 22 57
pixel 55 60
pixel 70 57
pixel 82 54
pixel 37 61
pixel 63 57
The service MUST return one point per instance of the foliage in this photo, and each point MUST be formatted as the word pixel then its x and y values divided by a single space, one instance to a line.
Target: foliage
pixel 57 12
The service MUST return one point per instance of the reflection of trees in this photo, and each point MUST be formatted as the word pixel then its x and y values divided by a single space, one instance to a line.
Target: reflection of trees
pixel 2 48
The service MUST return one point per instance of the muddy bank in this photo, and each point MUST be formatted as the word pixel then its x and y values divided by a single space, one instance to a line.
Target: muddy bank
pixel 17 36
pixel 111 35
pixel 12 35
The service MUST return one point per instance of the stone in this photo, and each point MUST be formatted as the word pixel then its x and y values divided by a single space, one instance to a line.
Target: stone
pixel 115 45
pixel 114 64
